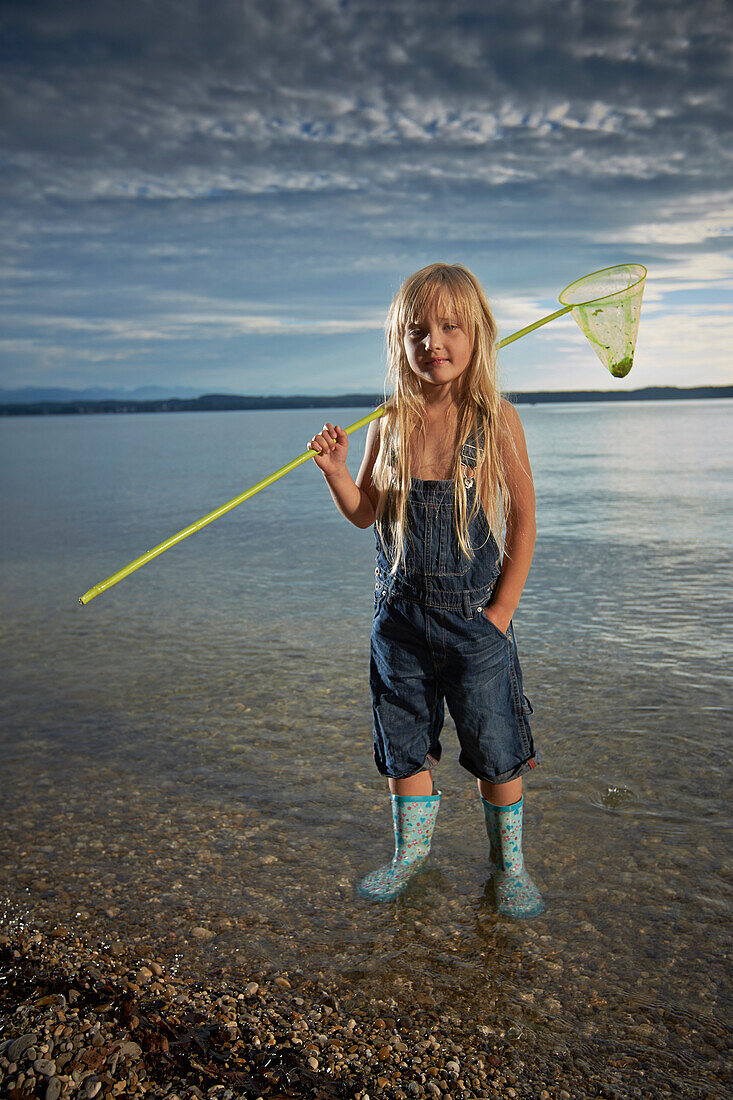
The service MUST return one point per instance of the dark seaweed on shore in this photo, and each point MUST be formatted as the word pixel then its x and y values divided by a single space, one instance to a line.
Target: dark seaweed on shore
pixel 186 1047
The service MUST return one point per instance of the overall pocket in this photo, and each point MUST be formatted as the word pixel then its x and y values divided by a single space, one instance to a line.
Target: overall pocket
pixel 493 628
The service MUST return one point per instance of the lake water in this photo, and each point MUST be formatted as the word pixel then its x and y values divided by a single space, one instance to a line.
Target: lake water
pixel 193 748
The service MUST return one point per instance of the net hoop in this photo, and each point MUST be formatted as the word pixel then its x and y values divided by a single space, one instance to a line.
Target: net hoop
pixel 637 271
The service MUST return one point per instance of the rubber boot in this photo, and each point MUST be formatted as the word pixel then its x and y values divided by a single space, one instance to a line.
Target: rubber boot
pixel 516 894
pixel 414 821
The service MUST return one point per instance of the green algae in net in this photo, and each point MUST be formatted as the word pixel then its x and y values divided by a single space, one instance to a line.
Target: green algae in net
pixel 606 305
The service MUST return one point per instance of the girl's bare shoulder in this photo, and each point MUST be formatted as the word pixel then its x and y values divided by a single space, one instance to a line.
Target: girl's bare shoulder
pixel 509 414
pixel 511 425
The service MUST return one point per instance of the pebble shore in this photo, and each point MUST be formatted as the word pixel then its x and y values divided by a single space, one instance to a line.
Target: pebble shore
pixel 83 1020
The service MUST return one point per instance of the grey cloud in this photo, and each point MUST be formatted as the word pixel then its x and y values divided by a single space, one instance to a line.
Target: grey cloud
pixel 271 147
pixel 174 85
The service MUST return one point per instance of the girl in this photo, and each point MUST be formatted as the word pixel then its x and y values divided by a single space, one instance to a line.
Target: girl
pixel 444 471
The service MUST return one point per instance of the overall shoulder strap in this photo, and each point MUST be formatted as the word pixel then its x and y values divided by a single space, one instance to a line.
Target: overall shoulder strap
pixel 469 451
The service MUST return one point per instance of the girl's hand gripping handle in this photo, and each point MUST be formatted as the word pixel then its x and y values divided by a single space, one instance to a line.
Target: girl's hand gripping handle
pixel 331 446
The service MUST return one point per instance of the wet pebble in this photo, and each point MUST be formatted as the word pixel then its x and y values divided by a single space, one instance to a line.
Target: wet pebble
pixel 53 1089
pixel 203 933
pixel 18 1046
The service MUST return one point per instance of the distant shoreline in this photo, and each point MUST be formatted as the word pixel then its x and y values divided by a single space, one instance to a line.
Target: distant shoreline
pixel 231 402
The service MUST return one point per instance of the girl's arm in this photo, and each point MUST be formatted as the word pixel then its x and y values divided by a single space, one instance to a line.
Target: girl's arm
pixel 521 530
pixel 355 500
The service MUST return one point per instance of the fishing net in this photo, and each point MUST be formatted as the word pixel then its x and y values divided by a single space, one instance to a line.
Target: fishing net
pixel 606 307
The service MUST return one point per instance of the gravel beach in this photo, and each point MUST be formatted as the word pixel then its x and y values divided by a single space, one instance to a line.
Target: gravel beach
pixel 83 1019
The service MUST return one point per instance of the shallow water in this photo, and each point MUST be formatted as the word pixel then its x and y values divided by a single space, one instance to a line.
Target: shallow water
pixel 193 748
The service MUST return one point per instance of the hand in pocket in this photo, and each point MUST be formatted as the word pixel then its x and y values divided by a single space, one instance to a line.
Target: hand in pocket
pixel 499 621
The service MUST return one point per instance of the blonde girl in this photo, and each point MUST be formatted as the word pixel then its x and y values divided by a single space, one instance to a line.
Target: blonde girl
pixel 446 482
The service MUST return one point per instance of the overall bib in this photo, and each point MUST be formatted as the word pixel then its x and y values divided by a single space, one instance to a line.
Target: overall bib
pixel 431 644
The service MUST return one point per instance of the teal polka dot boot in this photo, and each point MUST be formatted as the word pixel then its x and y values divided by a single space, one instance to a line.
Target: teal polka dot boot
pixel 414 821
pixel 516 894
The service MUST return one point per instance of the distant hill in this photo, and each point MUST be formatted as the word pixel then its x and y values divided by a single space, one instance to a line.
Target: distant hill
pixel 226 402
pixel 31 395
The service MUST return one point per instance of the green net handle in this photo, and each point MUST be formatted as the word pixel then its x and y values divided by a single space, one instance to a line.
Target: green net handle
pixel 224 508
pixel 530 328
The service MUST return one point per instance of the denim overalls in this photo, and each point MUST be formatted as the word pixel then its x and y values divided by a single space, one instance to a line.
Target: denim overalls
pixel 431 643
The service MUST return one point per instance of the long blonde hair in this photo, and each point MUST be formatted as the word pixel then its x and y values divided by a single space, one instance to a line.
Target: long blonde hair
pixel 454 290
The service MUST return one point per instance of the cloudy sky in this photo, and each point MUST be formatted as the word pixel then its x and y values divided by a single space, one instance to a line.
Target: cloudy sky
pixel 225 196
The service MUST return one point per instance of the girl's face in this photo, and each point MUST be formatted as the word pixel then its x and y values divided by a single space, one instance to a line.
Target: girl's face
pixel 437 348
